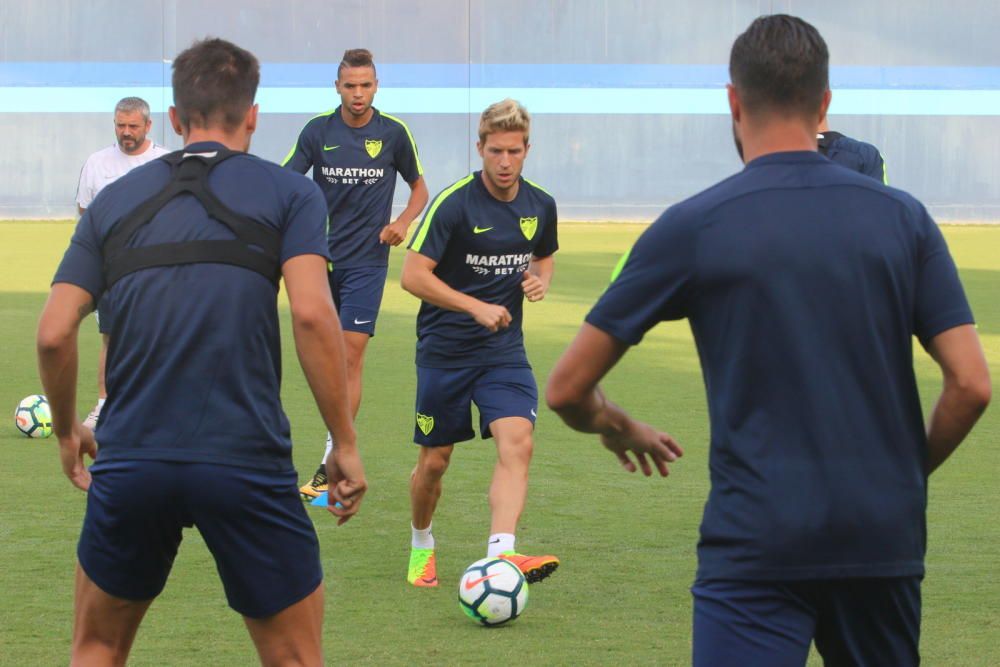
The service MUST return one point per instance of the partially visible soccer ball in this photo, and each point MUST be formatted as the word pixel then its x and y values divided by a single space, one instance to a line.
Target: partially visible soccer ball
pixel 492 591
pixel 33 417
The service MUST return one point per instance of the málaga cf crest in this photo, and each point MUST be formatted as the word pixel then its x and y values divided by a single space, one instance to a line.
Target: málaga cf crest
pixel 425 423
pixel 374 147
pixel 529 226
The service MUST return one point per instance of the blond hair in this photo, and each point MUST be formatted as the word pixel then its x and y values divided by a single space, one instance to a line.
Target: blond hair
pixel 504 116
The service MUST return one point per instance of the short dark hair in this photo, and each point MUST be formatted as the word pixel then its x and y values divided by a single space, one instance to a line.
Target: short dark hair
pixel 780 64
pixel 355 58
pixel 214 82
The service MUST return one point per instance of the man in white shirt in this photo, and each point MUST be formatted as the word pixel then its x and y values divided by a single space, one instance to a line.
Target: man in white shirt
pixel 131 149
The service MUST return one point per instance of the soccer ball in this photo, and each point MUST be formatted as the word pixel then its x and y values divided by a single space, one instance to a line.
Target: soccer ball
pixel 33 417
pixel 492 591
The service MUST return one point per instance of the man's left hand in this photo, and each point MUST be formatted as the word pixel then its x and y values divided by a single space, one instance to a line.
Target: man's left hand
pixel 394 233
pixel 533 287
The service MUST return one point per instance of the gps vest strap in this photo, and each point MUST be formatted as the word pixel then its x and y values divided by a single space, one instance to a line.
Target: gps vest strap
pixel 256 247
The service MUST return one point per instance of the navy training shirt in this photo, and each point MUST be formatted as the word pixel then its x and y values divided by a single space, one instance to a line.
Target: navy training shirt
pixel 853 154
pixel 803 283
pixel 356 168
pixel 482 247
pixel 194 365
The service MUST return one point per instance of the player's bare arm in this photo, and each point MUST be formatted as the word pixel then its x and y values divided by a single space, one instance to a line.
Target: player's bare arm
pixel 538 277
pixel 965 393
pixel 57 365
pixel 320 347
pixel 395 232
pixel 419 280
pixel 574 394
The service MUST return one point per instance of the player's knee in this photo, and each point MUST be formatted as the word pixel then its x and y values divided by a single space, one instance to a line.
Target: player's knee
pixel 526 448
pixel 434 463
pixel 355 344
pixel 355 364
pixel 517 448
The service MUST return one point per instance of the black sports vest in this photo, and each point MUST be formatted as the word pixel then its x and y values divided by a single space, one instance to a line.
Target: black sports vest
pixel 256 247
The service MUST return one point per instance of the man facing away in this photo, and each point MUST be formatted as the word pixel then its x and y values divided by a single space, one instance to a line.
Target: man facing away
pixel 194 432
pixel 857 155
pixel 804 284
pixel 486 243
pixel 132 148
pixel 355 152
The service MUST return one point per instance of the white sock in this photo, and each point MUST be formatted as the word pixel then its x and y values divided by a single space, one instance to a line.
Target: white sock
pixel 499 543
pixel 100 404
pixel 421 538
pixel 329 448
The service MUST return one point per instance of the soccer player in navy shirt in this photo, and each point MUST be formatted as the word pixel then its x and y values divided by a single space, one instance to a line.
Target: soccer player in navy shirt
pixel 485 244
pixel 355 152
pixel 804 284
pixel 857 155
pixel 190 247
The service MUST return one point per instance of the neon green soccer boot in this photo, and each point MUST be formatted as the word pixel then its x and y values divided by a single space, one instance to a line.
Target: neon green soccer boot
pixel 423 569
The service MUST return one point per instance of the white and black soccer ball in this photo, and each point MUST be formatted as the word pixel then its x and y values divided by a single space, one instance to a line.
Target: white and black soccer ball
pixel 33 417
pixel 492 591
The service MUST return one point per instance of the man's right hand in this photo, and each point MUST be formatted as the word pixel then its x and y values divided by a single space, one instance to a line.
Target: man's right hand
pixel 72 448
pixel 346 478
pixel 642 440
pixel 491 316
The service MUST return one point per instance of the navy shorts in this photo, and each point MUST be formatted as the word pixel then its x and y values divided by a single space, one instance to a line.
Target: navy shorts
pixel 103 314
pixel 445 397
pixel 357 294
pixel 264 544
pixel 771 624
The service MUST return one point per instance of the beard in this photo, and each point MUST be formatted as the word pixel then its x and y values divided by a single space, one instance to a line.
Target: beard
pixel 135 143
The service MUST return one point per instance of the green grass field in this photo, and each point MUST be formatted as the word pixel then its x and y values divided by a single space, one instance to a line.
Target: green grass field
pixel 627 543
